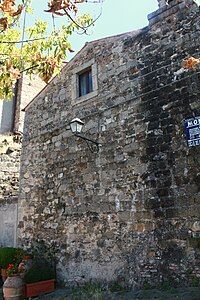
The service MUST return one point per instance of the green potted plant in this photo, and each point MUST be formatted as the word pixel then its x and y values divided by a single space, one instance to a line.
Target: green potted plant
pixel 9 255
pixel 39 280
pixel 13 287
pixel 14 269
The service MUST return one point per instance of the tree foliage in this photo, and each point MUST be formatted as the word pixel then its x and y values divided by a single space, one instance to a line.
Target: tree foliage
pixel 191 63
pixel 34 50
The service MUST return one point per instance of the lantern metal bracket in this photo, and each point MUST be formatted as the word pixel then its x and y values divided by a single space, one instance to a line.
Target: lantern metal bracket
pixel 76 127
pixel 92 145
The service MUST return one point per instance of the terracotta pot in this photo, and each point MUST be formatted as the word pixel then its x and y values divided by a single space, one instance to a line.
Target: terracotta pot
pixel 4 274
pixel 40 287
pixel 13 288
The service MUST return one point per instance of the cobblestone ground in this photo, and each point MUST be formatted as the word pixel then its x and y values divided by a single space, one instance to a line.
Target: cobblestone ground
pixel 192 293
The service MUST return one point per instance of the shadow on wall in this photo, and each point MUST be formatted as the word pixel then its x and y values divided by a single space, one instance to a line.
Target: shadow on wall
pixel 6 116
pixel 8 221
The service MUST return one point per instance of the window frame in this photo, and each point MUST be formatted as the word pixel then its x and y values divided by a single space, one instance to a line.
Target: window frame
pixel 76 98
pixel 85 82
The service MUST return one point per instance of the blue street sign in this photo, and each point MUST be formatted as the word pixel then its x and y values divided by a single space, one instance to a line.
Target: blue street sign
pixel 192 129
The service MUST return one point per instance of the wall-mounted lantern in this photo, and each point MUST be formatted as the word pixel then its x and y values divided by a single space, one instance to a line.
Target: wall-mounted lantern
pixel 76 126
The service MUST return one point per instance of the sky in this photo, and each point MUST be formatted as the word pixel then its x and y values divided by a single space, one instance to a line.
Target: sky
pixel 117 16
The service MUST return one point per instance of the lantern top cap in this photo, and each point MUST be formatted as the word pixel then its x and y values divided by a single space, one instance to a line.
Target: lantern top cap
pixel 77 120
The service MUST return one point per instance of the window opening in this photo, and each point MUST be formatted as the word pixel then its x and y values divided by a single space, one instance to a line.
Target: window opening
pixel 85 83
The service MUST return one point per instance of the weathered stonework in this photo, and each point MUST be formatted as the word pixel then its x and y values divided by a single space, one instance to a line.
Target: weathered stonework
pixel 10 148
pixel 11 127
pixel 26 90
pixel 130 212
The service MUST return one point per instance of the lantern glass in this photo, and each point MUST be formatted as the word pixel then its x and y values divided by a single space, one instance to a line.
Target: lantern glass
pixel 76 125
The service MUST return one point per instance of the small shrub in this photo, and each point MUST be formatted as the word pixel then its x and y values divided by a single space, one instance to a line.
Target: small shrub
pixel 195 281
pixel 198 242
pixel 93 287
pixel 116 287
pixel 165 285
pixel 188 272
pixel 36 274
pixel 98 296
pixel 147 286
pixel 195 242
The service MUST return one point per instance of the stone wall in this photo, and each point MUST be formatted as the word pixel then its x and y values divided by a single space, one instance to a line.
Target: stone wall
pixel 131 211
pixel 11 119
pixel 27 89
pixel 11 112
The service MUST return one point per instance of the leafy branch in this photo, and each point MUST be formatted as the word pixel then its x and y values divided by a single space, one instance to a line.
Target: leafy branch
pixel 25 41
pixel 41 53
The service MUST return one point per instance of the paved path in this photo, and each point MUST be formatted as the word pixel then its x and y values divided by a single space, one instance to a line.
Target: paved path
pixel 78 294
pixel 174 294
